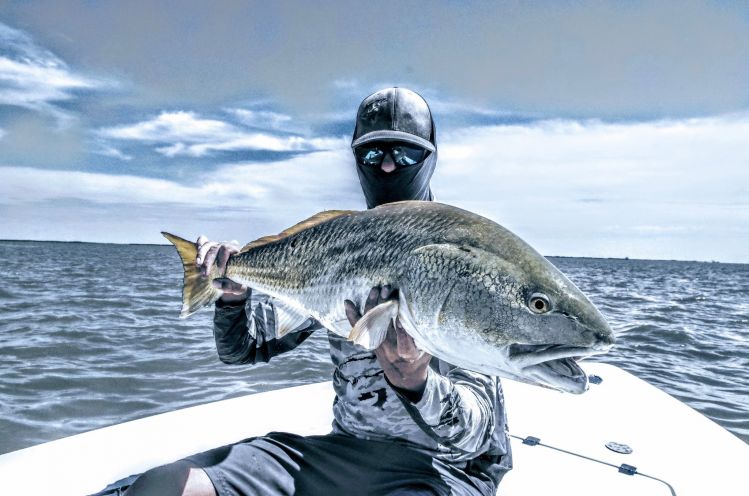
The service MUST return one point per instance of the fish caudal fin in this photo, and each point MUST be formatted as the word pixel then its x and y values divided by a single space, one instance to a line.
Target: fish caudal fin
pixel 197 291
pixel 372 328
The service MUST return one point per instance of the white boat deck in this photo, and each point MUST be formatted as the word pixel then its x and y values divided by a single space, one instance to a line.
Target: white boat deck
pixel 670 442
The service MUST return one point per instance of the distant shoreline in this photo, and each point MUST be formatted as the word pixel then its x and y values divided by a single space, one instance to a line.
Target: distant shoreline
pixel 547 256
pixel 80 242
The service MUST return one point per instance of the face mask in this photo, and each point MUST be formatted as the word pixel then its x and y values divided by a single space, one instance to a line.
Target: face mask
pixel 404 183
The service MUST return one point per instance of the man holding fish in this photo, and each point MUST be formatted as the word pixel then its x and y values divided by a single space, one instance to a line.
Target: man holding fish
pixel 469 293
pixel 401 426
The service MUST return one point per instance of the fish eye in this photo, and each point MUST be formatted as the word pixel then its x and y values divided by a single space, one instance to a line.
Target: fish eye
pixel 539 303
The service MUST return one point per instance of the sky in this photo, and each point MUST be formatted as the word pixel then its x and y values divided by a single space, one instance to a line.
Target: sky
pixel 604 129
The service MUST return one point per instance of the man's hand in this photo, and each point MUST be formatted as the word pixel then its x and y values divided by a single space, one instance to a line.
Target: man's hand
pixel 405 365
pixel 210 252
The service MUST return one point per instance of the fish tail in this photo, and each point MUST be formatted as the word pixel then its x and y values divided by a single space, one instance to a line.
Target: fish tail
pixel 197 291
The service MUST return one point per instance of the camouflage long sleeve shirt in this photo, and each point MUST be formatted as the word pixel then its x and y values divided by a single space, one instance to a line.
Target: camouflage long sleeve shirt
pixel 460 418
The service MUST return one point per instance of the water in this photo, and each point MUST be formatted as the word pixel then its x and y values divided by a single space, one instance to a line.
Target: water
pixel 89 336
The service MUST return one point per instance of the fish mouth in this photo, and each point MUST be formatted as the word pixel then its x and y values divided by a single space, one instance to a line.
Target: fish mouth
pixel 554 365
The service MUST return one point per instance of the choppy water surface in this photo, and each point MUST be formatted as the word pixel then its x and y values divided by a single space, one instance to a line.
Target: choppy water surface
pixel 89 336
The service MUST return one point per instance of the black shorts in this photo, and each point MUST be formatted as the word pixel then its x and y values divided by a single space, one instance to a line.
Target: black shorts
pixel 335 464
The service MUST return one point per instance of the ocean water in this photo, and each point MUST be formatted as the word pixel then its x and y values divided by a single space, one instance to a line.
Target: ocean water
pixel 89 337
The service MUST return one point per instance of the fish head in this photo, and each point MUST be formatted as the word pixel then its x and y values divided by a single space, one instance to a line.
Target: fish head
pixel 555 326
pixel 514 316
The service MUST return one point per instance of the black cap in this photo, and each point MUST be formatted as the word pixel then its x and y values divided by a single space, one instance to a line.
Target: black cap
pixel 394 114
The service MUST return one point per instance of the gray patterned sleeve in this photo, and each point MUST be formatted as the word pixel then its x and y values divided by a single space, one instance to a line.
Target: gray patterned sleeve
pixel 246 333
pixel 459 409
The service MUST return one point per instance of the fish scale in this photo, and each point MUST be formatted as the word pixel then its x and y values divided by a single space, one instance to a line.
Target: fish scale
pixel 466 288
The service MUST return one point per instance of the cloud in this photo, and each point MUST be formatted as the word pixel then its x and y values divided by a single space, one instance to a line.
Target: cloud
pixel 605 59
pixel 261 118
pixel 187 134
pixel 109 151
pixel 655 189
pixel 34 78
pixel 236 201
pixel 31 140
pixel 661 189
pixel 311 179
pixel 23 185
pixel 633 159
pixel 171 126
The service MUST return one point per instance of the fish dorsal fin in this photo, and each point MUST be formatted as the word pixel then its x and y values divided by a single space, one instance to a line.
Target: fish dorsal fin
pixel 316 219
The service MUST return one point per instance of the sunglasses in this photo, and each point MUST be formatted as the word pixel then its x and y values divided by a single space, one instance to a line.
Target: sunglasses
pixel 403 155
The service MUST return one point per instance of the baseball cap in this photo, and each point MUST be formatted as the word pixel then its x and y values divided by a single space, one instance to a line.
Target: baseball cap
pixel 394 114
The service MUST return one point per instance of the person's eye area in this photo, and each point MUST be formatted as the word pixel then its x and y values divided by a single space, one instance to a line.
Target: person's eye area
pixel 407 155
pixel 371 155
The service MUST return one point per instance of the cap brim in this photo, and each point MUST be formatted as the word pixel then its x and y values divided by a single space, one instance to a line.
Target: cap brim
pixel 393 136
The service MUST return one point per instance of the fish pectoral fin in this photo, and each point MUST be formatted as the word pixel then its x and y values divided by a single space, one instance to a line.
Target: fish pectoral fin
pixel 287 317
pixel 372 328
pixel 341 327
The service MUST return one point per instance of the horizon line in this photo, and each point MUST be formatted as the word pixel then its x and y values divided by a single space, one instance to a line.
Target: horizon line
pixel 2 240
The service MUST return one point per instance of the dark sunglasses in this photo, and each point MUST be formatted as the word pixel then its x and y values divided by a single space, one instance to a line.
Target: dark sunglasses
pixel 403 155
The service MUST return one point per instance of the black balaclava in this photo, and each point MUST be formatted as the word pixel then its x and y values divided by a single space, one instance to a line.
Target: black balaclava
pixel 396 114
